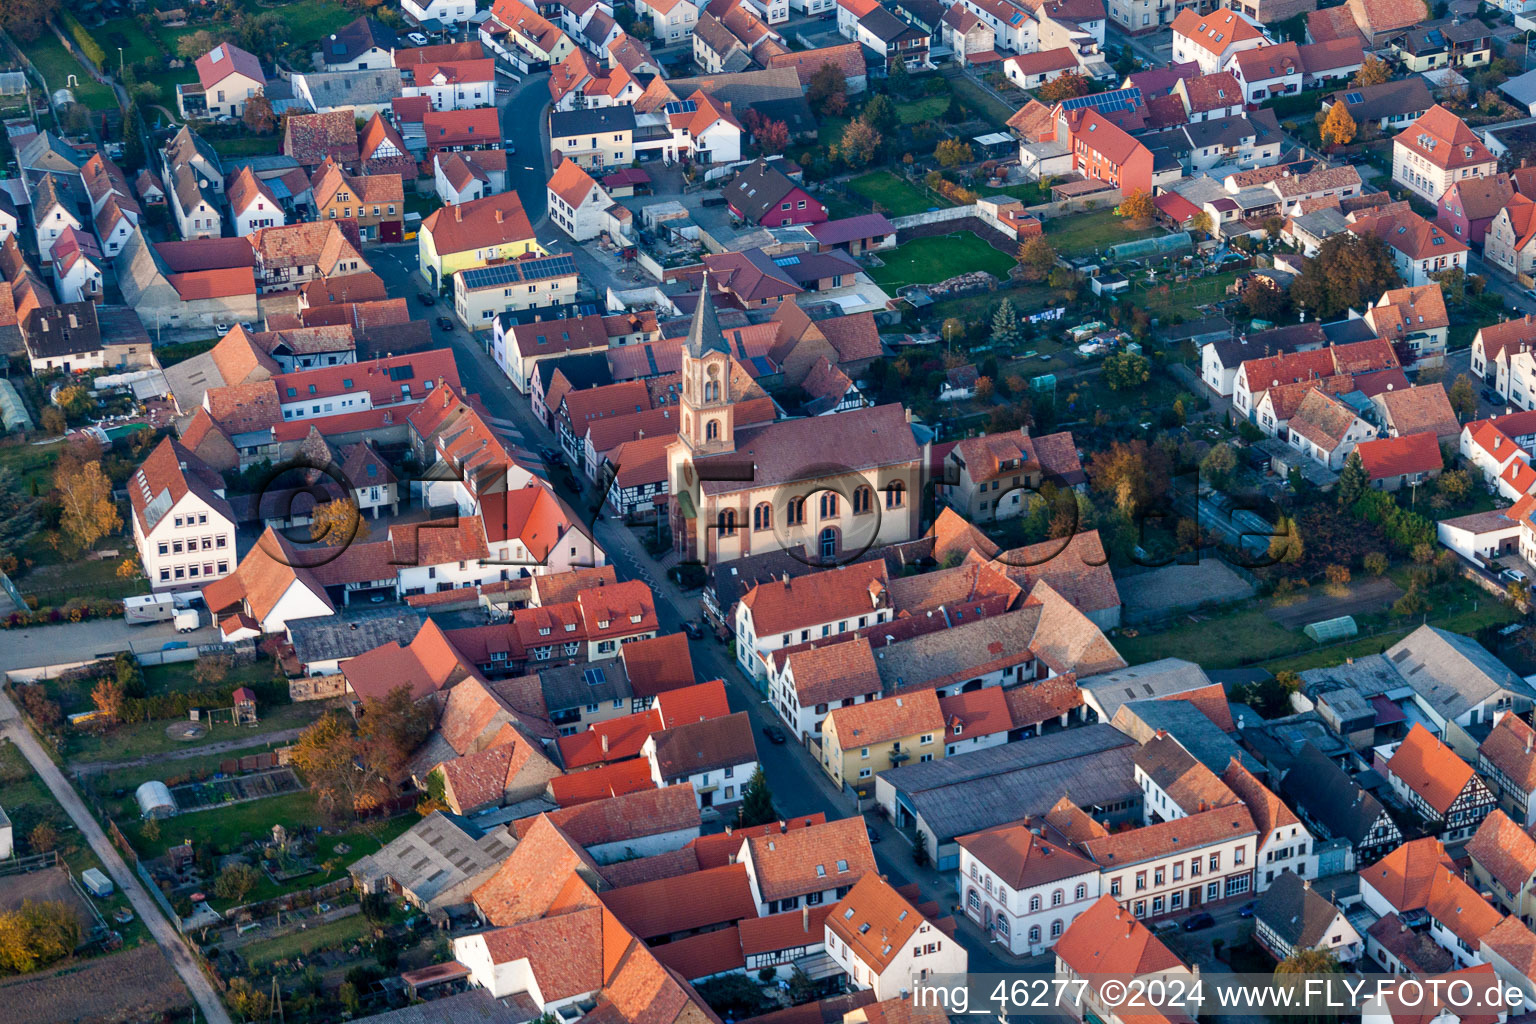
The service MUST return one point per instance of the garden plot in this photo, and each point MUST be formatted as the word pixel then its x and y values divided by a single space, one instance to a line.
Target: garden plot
pixel 217 792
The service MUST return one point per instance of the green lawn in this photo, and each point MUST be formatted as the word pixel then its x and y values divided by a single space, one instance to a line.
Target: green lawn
pixel 1090 233
pixel 247 145
pixel 980 100
pixel 930 260
pixel 125 32
pixel 309 21
pixel 918 111
pixel 143 739
pixel 897 197
pixel 57 64
pixel 1030 193
pixel 326 935
pixel 1182 298
pixel 1221 642
pixel 32 464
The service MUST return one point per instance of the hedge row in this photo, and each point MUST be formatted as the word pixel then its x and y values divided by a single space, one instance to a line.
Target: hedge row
pixel 83 39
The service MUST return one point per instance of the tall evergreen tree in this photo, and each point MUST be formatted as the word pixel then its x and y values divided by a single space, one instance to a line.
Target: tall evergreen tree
pixel 757 801
pixel 1005 324
pixel 1353 480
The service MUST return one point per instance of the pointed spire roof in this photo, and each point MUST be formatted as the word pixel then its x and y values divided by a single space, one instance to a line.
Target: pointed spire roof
pixel 704 333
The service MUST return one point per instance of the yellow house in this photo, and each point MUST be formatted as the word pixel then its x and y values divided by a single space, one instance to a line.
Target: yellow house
pixel 860 741
pixel 474 234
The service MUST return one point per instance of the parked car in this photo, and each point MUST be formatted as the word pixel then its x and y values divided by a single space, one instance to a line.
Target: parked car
pixel 1248 909
pixel 775 734
pixel 174 645
pixel 693 630
pixel 1513 575
pixel 445 323
pixel 417 39
pixel 1199 921
pixel 874 837
pixel 427 298
pixel 1491 396
pixel 552 456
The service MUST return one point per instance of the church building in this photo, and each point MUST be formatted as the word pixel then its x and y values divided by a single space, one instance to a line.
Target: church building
pixel 835 485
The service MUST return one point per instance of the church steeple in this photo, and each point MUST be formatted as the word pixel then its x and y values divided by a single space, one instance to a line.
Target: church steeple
pixel 704 333
pixel 707 427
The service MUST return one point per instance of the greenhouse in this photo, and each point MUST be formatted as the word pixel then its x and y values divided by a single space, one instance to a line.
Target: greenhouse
pixel 1159 245
pixel 1326 631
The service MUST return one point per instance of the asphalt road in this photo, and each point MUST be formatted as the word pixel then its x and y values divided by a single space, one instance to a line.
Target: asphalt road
pixel 524 116
pixel 159 928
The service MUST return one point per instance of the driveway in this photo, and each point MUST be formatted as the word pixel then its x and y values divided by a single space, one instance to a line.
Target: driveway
pixel 70 642
pixel 128 881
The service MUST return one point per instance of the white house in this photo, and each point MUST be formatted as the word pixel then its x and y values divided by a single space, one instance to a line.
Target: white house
pixel 716 755
pixel 182 526
pixel 781 613
pixel 1210 39
pixel 578 204
pixel 252 204
pixel 671 20
pixel 1435 152
pixel 268 587
pixel 1267 71
pixel 882 942
pixel 1327 429
pixel 807 682
pixel 52 212
pixel 454 85
pixel 1022 889
pixel 449 12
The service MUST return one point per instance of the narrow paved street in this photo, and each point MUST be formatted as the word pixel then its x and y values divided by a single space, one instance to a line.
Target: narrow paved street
pixel 523 112
pixel 124 877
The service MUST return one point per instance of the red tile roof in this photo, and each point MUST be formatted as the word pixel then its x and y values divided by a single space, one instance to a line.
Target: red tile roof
pixel 627 817
pixel 1107 941
pixel 1430 768
pixel 1443 139
pixel 1021 859
pixel 684 903
pixel 480 223
pixel 658 664
pixel 786 863
pixel 1400 456
pixel 722 847
pixel 599 783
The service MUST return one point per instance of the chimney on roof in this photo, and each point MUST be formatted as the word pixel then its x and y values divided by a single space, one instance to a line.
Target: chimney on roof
pixel 605 743
pixel 783 826
pixel 1530 738
pixel 805 918
pixel 458 213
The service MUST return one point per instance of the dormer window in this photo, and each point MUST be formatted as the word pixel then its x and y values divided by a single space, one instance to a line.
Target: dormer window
pixel 602 623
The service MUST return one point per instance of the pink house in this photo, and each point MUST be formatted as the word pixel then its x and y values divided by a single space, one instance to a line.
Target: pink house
pixel 1469 206
pixel 764 195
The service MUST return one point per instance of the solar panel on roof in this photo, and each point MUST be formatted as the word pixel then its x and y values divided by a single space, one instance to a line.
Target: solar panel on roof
pixel 787 261
pixel 401 372
pixel 1107 102
pixel 1353 97
pixel 681 107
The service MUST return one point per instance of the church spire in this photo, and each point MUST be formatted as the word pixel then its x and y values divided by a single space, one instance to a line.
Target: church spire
pixel 704 333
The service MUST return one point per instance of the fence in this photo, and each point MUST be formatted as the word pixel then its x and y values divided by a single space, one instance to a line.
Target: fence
pixel 154 890
pixel 934 216
pixel 302 898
